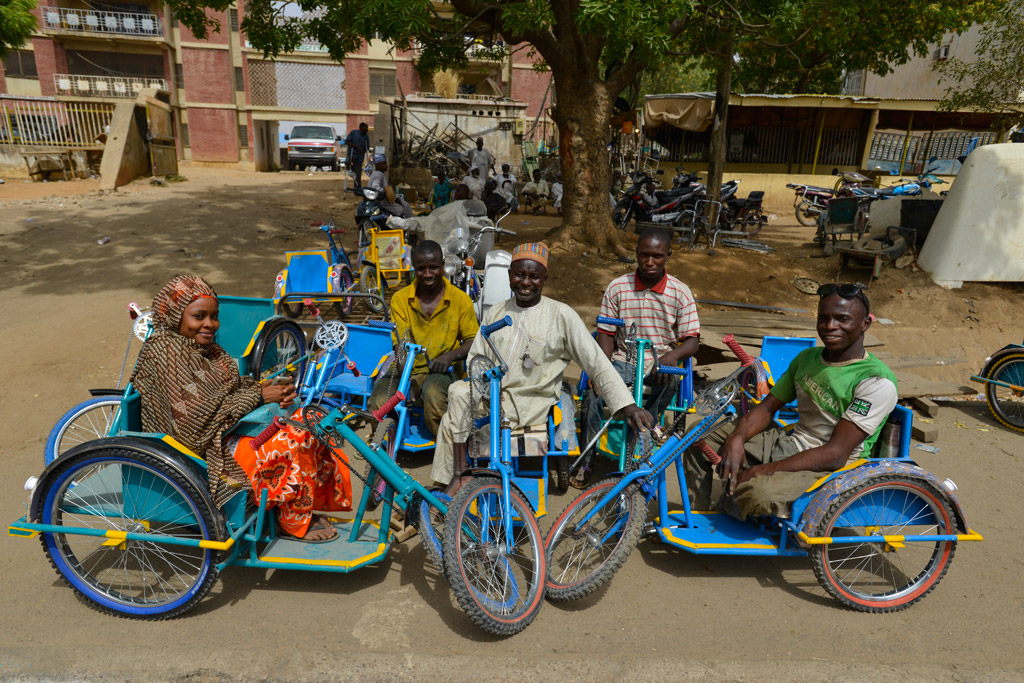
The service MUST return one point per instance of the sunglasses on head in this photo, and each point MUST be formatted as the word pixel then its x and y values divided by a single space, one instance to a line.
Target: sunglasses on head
pixel 847 291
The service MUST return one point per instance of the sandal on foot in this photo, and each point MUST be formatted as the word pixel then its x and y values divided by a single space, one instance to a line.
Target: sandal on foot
pixel 580 478
pixel 317 525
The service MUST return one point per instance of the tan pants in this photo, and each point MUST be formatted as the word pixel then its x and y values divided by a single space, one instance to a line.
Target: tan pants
pixel 456 427
pixel 755 497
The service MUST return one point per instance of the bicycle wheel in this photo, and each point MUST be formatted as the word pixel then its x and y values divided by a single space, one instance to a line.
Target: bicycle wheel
pixel 345 281
pixel 877 576
pixel 495 565
pixel 430 524
pixel 89 420
pixel 622 217
pixel 1006 404
pixel 278 347
pixel 752 223
pixel 582 560
pixel 118 489
pixel 368 284
pixel 748 391
pixel 561 473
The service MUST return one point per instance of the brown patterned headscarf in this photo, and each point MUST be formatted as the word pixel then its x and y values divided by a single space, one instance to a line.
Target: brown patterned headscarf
pixel 192 391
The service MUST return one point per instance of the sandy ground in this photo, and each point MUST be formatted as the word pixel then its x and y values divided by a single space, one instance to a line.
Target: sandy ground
pixel 667 614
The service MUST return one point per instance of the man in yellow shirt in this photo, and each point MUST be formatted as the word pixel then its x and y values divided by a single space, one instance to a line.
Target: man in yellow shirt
pixel 440 318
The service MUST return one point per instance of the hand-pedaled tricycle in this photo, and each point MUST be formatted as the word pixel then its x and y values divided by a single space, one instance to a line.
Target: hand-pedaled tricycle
pixel 128 520
pixel 880 532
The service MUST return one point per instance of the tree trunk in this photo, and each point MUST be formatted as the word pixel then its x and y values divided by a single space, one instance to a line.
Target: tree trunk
pixel 583 115
pixel 719 138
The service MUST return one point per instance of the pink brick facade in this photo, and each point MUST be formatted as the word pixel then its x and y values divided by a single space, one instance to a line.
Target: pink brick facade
pixel 209 77
pixel 213 134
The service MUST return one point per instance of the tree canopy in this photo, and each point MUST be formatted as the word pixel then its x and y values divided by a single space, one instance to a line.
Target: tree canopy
pixel 814 56
pixel 992 80
pixel 16 24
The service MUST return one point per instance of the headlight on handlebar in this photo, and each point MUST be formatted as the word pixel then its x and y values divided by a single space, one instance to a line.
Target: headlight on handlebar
pixel 452 265
pixel 369 194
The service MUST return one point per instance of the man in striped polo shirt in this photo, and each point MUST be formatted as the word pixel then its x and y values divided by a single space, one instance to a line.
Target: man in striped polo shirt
pixel 665 314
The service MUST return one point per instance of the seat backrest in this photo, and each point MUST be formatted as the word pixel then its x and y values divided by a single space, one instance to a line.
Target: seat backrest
pixel 308 271
pixel 366 346
pixel 129 416
pixel 239 318
pixel 778 352
pixel 843 210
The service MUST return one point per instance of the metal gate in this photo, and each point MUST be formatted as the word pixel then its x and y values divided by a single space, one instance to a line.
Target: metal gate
pixel 162 153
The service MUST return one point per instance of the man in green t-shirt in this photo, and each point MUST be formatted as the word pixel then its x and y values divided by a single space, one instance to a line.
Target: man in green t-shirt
pixel 843 395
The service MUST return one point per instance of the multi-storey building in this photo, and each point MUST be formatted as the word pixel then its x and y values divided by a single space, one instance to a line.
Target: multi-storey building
pixel 229 102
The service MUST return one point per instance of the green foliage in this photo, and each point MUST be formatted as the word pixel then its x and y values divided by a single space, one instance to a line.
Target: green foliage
pixel 813 55
pixel 16 24
pixel 992 81
pixel 684 74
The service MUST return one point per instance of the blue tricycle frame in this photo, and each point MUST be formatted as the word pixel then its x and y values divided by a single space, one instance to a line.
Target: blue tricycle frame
pixel 1003 377
pixel 865 507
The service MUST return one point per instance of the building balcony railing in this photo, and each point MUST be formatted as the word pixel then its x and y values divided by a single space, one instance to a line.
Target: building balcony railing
pixel 104 86
pixel 106 23
pixel 303 47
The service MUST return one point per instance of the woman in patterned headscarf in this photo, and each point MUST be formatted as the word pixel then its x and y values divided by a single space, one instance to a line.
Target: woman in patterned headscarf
pixel 191 390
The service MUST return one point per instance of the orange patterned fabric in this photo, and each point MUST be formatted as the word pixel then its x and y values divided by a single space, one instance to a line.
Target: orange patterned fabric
pixel 192 391
pixel 299 474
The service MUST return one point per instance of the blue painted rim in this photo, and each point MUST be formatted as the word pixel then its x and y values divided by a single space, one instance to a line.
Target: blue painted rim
pixel 75 580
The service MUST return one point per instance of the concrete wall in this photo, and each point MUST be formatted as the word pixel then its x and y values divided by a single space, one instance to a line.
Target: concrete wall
pixel 917 78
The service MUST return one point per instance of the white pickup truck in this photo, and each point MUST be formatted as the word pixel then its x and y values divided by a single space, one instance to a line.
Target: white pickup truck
pixel 315 146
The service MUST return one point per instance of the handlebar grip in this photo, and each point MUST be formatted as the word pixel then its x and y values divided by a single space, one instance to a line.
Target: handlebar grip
pixel 313 310
pixel 508 232
pixel 268 433
pixel 671 370
pixel 379 414
pixel 709 452
pixel 381 324
pixel 604 320
pixel 488 330
pixel 352 368
pixel 338 231
pixel 315 224
pixel 735 347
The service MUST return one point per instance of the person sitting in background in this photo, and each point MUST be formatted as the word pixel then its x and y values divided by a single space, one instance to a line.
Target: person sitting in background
pixel 442 193
pixel 191 391
pixel 474 182
pixel 390 202
pixel 536 194
pixel 493 200
pixel 556 195
pixel 439 317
